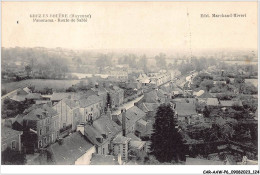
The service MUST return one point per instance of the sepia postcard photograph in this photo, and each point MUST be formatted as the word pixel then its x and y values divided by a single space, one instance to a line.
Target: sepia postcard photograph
pixel 165 85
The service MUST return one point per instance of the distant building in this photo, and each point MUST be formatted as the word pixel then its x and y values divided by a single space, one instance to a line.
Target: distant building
pixel 160 78
pixel 185 111
pixel 230 103
pixel 116 95
pixel 212 102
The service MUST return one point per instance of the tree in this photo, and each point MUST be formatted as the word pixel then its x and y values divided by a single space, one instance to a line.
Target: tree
pixel 160 60
pixel 28 70
pixel 11 157
pixel 166 141
pixel 208 84
pixel 206 111
pixel 143 63
pixel 103 61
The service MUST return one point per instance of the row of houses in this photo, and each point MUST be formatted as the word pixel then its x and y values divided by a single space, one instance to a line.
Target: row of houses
pixel 68 118
pixel 159 78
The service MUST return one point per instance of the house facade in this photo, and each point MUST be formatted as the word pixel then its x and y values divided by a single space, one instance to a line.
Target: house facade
pixel 69 114
pixel 91 108
pixel 43 121
pixel 10 139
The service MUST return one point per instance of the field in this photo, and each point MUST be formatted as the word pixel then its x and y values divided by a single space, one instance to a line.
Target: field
pixel 39 84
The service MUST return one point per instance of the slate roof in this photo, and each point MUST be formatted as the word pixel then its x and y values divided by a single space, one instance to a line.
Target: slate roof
pixel 161 93
pixel 185 109
pixel 136 144
pixel 71 103
pixel 7 132
pixel 89 93
pixel 92 134
pixel 84 102
pixel 22 92
pixel 98 159
pixel 106 126
pixel 212 102
pixel 60 96
pixel 113 89
pixel 147 107
pixel 121 139
pixel 103 125
pixel 141 121
pixel 73 147
pixel 100 90
pixel 133 137
pixel 33 96
pixel 34 111
pixel 205 95
pixel 229 103
pixel 184 100
pixel 151 97
pixel 133 114
pixel 19 119
pixel 18 98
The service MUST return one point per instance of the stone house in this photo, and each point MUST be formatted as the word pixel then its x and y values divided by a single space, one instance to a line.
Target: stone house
pixel 43 121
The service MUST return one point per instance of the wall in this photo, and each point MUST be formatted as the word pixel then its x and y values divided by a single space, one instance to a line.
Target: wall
pixel 106 148
pixel 53 132
pixel 8 143
pixel 64 112
pixel 96 112
pixel 85 159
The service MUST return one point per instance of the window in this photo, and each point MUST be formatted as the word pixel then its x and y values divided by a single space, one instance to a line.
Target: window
pixel 92 109
pixel 64 125
pixel 13 144
pixel 47 128
pixel 40 144
pixel 45 140
pixel 40 132
pixel 54 123
pixel 103 150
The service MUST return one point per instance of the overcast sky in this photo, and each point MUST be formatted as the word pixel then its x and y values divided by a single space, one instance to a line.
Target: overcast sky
pixel 143 25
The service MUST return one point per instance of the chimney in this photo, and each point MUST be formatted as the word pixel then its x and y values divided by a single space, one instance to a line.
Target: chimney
pixel 123 111
pixel 80 128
